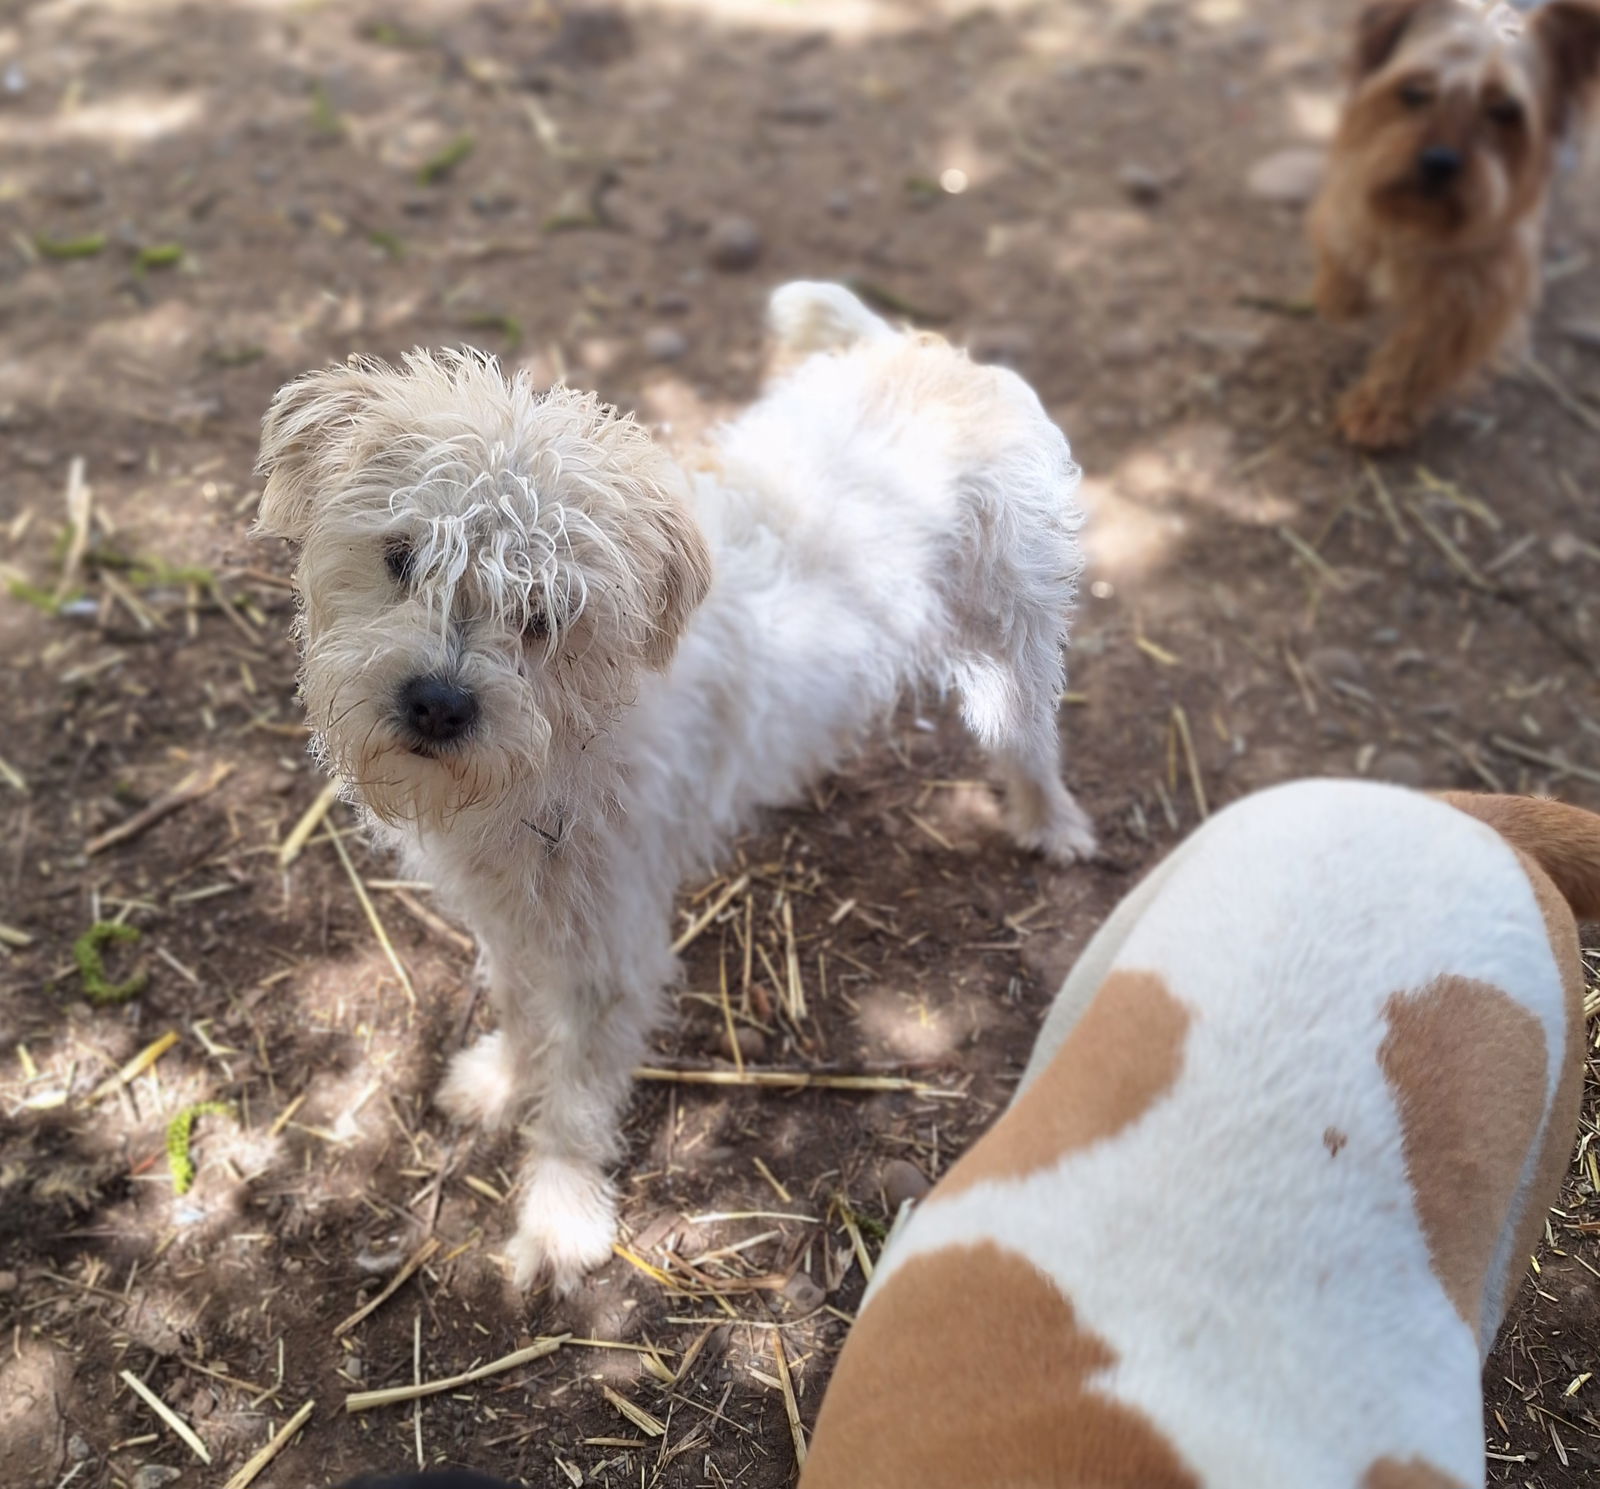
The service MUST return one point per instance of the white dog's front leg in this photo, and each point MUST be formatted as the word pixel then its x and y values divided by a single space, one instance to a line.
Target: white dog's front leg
pixel 566 1220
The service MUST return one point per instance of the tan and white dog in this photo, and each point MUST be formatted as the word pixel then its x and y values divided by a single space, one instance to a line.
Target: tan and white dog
pixel 1273 1173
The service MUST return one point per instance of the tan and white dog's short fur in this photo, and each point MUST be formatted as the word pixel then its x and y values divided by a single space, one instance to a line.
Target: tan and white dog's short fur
pixel 1273 1173
pixel 559 672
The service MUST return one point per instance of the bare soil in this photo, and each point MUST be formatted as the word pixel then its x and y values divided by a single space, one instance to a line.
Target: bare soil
pixel 199 201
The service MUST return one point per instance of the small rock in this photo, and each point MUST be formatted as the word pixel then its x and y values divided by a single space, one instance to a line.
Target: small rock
pixel 665 344
pixel 1399 768
pixel 1329 662
pixel 839 202
pixel 1289 178
pixel 8 1282
pixel 16 80
pixel 734 243
pixel 492 203
pixel 265 175
pixel 804 1292
pixel 1007 345
pixel 672 302
pixel 1385 636
pixel 1584 333
pixel 752 1044
pixel 1239 341
pixel 154 1476
pixel 802 110
pixel 1564 547
pixel 1129 345
pixel 126 459
pixel 900 1181
pixel 78 1447
pixel 80 189
pixel 1142 184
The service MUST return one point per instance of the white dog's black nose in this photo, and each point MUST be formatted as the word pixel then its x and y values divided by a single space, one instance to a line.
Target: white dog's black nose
pixel 436 710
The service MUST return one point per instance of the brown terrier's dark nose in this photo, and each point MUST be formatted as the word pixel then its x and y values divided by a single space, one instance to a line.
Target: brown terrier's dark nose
pixel 436 710
pixel 1438 166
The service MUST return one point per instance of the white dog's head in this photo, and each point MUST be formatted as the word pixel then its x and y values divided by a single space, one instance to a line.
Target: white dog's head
pixel 485 572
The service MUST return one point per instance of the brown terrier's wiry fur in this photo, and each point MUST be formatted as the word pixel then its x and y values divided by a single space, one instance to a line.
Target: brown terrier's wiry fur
pixel 1434 202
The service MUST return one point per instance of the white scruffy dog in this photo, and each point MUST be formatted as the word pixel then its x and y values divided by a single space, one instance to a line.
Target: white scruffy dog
pixel 560 673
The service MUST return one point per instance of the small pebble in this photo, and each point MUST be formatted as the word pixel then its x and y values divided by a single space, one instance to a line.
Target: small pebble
pixel 752 1044
pixel 1399 768
pixel 665 344
pixel 1329 662
pixel 902 1180
pixel 1142 184
pixel 805 1292
pixel 154 1476
pixel 839 202
pixel 672 302
pixel 734 243
pixel 78 1447
pixel 8 1282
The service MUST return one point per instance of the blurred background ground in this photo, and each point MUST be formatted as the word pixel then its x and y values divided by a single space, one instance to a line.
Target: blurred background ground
pixel 198 201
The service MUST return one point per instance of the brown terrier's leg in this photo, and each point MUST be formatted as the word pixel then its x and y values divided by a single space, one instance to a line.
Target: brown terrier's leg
pixel 1339 294
pixel 1446 334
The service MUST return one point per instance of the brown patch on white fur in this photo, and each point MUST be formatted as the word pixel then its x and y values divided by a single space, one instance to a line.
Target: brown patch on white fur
pixel 1414 1473
pixel 1467 1066
pixel 1454 257
pixel 1124 1055
pixel 1562 1125
pixel 970 1367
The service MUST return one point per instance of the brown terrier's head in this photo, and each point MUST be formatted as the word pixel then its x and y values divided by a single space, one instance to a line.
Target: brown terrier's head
pixel 1452 123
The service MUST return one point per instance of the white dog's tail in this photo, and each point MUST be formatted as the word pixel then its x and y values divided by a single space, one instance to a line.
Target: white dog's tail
pixel 808 316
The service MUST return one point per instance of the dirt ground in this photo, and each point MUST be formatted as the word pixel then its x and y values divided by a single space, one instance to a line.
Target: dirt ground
pixel 200 200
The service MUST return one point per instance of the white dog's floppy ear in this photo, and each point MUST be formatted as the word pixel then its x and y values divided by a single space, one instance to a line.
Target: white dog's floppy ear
pixel 303 421
pixel 685 574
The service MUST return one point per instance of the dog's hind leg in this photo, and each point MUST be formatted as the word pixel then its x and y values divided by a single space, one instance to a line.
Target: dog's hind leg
pixel 1010 707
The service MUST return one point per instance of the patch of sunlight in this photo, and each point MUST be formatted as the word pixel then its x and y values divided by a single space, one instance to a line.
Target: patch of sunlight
pixel 133 119
pixel 1313 112
pixel 1125 540
pixel 1196 465
pixel 905 1026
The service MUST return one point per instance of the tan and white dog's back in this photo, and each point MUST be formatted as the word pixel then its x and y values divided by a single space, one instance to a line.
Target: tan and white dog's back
pixel 1274 1171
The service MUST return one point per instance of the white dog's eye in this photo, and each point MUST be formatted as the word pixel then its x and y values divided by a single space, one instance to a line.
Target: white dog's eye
pixel 397 556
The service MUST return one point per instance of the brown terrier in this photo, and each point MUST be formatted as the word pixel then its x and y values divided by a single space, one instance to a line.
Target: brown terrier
pixel 1434 201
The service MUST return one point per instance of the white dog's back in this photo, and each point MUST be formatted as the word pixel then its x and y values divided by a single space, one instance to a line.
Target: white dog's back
pixel 1272 1175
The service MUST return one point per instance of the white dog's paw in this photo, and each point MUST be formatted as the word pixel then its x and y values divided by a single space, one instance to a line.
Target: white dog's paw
pixel 566 1225
pixel 1066 837
pixel 478 1088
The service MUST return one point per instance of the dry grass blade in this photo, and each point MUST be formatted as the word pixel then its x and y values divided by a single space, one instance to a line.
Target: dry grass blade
pixel 197 784
pixel 1563 395
pixel 374 921
pixel 418 1258
pixel 255 1465
pixel 1180 722
pixel 635 1414
pixel 12 777
pixel 791 1407
pixel 795 999
pixel 79 502
pixel 394 1395
pixel 1391 513
pixel 1453 555
pixel 136 1066
pixel 1311 558
pixel 717 906
pixel 789 1080
pixel 167 1415
pixel 309 822
pixel 727 1014
pixel 1541 757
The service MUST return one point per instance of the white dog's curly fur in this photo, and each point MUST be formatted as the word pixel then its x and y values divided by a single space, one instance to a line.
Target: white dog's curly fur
pixel 559 673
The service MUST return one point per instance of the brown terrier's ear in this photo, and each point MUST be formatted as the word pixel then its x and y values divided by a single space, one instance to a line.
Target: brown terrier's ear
pixel 1567 35
pixel 1382 26
pixel 302 422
